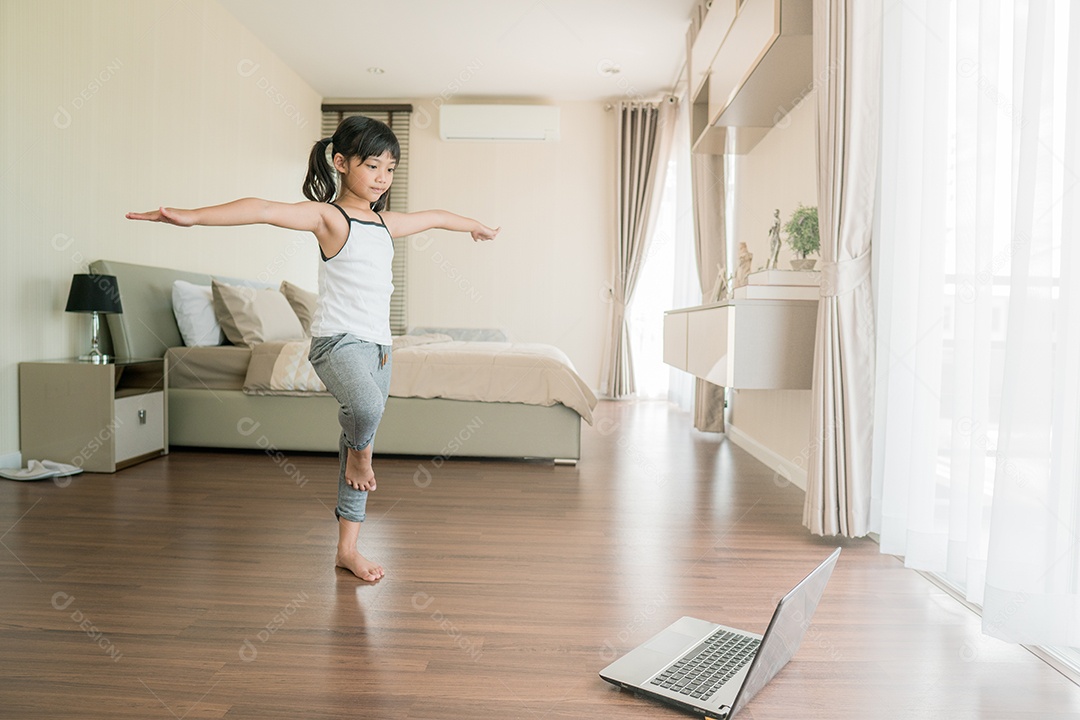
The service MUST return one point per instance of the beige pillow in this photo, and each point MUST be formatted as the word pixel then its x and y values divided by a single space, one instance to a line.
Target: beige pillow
pixel 303 303
pixel 249 316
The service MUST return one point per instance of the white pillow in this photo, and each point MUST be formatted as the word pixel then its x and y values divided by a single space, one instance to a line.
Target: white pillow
pixel 193 306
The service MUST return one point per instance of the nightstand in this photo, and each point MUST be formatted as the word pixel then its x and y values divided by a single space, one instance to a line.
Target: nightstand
pixel 99 417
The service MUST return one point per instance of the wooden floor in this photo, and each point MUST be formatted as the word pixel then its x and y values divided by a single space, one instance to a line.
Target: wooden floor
pixel 202 585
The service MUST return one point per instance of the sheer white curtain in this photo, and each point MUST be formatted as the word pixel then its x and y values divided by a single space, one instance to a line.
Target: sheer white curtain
pixel 652 296
pixel 685 289
pixel 977 450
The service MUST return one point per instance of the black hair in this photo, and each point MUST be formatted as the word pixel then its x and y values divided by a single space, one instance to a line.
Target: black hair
pixel 356 136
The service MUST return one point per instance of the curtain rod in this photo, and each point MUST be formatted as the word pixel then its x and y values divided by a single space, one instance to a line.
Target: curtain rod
pixel 360 107
pixel 671 99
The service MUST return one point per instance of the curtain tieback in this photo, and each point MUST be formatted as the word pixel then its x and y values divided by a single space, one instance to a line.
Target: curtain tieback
pixel 841 277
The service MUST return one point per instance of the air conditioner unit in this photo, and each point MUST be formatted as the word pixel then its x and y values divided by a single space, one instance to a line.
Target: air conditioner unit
pixel 499 122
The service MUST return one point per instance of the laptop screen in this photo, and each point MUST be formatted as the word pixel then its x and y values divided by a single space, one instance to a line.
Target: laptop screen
pixel 789 624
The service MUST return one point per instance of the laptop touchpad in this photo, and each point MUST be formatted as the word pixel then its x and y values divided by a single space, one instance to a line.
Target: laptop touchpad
pixel 671 643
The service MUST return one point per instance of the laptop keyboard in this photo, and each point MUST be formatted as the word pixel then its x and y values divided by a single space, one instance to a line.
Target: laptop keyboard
pixel 700 672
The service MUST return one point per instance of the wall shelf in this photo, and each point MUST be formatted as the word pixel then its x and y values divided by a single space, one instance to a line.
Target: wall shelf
pixel 745 344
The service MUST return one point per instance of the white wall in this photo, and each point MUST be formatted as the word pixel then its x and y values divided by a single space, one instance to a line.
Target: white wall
pixel 126 105
pixel 543 278
pixel 780 172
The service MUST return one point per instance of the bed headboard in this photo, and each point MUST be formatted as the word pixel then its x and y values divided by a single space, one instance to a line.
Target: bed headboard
pixel 147 327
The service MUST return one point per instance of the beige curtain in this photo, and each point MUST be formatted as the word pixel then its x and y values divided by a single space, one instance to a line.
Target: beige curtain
pixel 847 67
pixel 644 145
pixel 710 245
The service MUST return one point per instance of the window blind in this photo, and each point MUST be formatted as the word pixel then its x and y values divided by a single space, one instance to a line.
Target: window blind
pixel 398 117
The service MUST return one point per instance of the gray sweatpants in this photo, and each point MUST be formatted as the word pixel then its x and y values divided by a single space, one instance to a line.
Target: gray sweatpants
pixel 357 374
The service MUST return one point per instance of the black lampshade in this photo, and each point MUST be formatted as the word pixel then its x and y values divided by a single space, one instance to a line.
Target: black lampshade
pixel 90 293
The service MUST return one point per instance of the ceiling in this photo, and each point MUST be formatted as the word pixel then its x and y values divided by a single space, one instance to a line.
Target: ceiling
pixel 527 49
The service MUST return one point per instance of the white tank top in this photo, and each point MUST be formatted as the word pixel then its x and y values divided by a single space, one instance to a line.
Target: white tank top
pixel 355 285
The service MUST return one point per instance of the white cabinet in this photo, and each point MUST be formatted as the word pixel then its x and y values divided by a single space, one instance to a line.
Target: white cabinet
pixel 759 68
pixel 707 343
pixel 745 344
pixel 675 339
pixel 707 38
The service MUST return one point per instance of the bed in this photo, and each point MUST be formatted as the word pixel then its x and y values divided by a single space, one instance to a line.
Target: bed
pixel 469 415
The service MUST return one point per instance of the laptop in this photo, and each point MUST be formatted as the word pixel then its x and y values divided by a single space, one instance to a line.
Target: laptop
pixel 714 670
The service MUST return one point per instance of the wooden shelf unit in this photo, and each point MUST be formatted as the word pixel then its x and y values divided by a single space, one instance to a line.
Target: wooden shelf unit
pixel 100 417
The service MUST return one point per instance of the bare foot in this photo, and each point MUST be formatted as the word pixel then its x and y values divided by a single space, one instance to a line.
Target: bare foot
pixel 358 471
pixel 359 565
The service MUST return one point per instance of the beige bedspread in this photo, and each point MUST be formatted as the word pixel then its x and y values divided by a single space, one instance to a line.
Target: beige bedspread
pixel 530 373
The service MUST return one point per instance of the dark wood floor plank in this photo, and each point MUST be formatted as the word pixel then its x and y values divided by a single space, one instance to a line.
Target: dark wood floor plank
pixel 201 585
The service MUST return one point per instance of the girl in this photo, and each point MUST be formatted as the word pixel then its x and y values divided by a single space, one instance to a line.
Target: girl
pixel 350 345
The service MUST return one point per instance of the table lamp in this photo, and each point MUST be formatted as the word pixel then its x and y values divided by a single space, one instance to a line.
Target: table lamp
pixel 94 294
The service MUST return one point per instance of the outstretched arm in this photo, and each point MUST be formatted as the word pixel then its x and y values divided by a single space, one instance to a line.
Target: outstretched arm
pixel 308 216
pixel 402 224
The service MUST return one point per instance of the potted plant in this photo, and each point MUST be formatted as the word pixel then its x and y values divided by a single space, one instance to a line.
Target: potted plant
pixel 803 237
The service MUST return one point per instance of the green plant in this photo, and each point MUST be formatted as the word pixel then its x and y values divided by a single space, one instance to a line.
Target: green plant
pixel 802 231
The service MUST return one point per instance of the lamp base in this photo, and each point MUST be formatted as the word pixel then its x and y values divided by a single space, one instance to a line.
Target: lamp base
pixel 96 357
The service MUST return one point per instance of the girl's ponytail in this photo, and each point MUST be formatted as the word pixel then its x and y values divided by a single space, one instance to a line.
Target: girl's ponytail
pixel 320 184
pixel 356 136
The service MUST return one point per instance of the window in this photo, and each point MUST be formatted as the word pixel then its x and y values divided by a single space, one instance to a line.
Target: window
pixel 398 117
pixel 977 402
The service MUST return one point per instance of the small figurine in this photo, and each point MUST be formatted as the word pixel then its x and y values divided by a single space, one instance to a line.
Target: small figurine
pixel 743 271
pixel 774 242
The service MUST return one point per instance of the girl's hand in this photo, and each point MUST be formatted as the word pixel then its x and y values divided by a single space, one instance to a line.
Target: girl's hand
pixel 483 232
pixel 172 216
